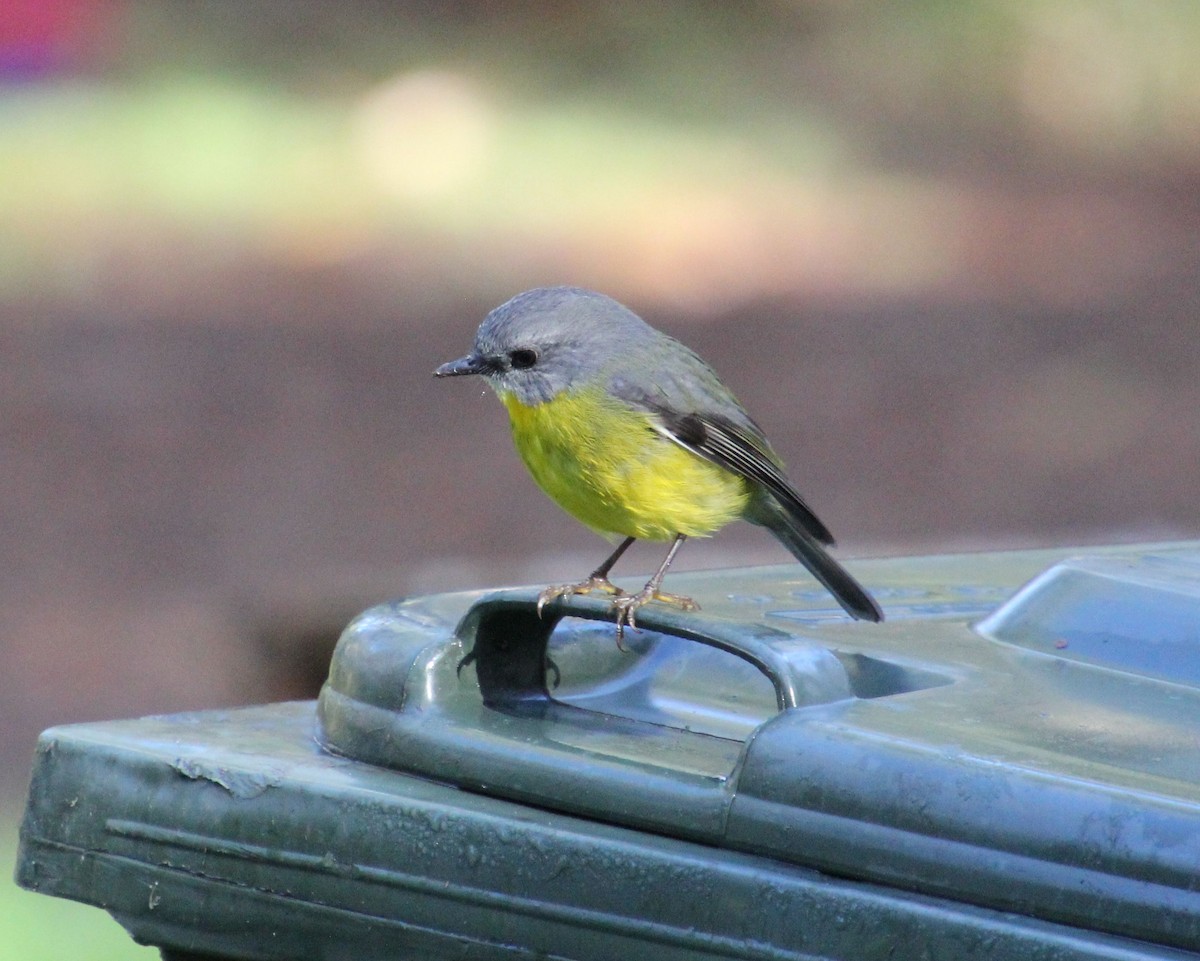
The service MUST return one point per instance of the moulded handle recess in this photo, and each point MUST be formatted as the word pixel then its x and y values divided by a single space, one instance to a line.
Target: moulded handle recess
pixel 507 643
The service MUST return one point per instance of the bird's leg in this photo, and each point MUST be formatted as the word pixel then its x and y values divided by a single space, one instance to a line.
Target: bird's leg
pixel 597 580
pixel 627 605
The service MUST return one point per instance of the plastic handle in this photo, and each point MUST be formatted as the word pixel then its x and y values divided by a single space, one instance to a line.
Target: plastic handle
pixel 507 642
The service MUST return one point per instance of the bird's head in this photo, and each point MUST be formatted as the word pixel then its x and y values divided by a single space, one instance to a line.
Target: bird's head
pixel 549 340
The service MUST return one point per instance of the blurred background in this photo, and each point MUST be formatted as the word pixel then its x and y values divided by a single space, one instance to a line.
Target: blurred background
pixel 948 254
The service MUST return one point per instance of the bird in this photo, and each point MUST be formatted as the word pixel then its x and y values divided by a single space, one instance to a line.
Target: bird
pixel 636 436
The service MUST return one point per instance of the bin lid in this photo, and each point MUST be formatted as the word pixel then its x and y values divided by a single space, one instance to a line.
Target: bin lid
pixel 1022 732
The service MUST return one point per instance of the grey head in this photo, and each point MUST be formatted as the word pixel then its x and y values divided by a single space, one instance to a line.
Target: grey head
pixel 551 339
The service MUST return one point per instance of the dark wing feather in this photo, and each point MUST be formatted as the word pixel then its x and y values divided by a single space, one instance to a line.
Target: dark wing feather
pixel 738 450
pixel 731 446
pixel 700 413
pixel 694 409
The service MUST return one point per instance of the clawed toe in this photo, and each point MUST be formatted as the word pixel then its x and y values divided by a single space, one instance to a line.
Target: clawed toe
pixel 592 585
pixel 677 600
pixel 627 606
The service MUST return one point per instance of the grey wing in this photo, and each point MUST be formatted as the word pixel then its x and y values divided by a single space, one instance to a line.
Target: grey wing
pixel 696 411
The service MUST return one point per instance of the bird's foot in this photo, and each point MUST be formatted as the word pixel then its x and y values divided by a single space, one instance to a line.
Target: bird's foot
pixel 593 585
pixel 627 606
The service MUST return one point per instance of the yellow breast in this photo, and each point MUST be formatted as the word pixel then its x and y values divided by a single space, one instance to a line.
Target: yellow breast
pixel 606 465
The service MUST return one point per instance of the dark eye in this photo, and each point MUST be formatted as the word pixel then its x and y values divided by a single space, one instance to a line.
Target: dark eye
pixel 522 358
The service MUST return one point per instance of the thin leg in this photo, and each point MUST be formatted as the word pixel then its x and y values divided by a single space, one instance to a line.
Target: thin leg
pixel 597 580
pixel 655 582
pixel 627 605
pixel 601 572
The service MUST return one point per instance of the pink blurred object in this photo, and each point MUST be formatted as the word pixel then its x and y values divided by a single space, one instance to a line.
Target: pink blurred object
pixel 41 37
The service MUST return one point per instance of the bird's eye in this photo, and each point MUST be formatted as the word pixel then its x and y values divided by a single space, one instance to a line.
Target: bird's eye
pixel 522 358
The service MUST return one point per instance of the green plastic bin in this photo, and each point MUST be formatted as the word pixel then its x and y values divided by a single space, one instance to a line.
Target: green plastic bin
pixel 998 771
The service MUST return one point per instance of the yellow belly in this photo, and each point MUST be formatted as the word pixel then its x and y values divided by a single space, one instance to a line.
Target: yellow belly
pixel 606 465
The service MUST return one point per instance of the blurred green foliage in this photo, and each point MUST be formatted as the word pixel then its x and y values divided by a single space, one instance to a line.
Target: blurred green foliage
pixel 326 131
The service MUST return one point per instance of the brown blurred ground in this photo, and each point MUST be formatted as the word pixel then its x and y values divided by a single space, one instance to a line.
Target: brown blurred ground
pixel 212 456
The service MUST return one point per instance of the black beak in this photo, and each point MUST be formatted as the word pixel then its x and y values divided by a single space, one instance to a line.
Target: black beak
pixel 471 364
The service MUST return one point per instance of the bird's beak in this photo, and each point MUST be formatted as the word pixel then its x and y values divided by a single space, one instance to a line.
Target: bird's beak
pixel 471 364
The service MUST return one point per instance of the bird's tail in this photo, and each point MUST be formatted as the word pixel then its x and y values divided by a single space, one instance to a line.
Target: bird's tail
pixel 837 580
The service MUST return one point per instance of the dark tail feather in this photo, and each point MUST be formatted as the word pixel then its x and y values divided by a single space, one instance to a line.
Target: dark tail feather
pixel 837 580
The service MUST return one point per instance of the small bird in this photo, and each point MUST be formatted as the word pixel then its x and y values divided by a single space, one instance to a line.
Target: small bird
pixel 634 435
